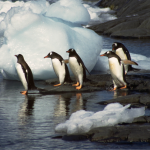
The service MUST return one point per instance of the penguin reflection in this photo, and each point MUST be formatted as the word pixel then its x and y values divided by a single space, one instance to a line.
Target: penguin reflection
pixel 66 104
pixel 26 109
pixel 78 104
pixel 120 93
pixel 62 107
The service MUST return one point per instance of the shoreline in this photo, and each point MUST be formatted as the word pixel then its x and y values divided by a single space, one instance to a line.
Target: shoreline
pixel 137 131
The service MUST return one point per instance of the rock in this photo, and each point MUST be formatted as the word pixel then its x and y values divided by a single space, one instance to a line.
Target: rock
pixel 133 19
pixel 101 82
pixel 130 133
pixel 129 99
pixel 145 99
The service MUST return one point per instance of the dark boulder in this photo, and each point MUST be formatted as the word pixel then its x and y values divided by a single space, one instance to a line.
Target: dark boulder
pixel 133 19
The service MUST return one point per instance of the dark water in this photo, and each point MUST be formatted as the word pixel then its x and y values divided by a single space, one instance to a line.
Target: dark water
pixel 28 122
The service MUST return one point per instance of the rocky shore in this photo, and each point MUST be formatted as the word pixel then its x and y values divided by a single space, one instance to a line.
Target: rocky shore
pixel 137 131
pixel 133 19
pixel 136 82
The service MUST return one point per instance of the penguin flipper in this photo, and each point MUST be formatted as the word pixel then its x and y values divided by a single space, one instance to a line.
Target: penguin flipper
pixel 129 62
pixel 66 61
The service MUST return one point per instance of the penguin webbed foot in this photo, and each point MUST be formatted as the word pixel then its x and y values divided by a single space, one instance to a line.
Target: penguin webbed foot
pixel 124 87
pixel 57 84
pixel 79 87
pixel 76 84
pixel 114 89
pixel 24 92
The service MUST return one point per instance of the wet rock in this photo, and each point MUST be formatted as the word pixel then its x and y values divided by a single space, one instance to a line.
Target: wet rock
pixel 145 99
pixel 140 83
pixel 129 99
pixel 133 19
pixel 74 137
pixel 130 133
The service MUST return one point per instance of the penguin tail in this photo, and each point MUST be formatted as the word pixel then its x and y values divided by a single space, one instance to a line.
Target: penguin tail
pixel 87 70
pixel 133 69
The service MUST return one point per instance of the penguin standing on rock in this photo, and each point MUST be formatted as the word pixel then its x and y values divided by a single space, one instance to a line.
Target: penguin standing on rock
pixel 25 74
pixel 60 68
pixel 77 67
pixel 117 69
pixel 124 54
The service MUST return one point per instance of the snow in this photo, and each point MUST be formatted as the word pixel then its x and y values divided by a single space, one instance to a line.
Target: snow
pixel 83 121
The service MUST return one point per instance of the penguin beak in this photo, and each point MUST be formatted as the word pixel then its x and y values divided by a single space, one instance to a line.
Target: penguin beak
pixel 103 55
pixel 67 51
pixel 15 55
pixel 113 49
pixel 46 57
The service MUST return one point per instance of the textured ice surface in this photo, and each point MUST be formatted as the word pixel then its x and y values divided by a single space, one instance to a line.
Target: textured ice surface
pixel 35 28
pixel 83 121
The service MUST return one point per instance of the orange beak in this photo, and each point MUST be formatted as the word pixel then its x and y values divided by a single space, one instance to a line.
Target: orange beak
pixel 67 51
pixel 102 55
pixel 46 57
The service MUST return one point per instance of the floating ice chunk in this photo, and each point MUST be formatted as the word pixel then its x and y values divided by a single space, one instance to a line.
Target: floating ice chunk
pixel 83 121
pixel 30 30
pixel 99 15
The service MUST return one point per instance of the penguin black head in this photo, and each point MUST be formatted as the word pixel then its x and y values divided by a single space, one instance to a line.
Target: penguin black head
pixel 20 58
pixel 109 54
pixel 53 55
pixel 50 55
pixel 71 52
pixel 117 45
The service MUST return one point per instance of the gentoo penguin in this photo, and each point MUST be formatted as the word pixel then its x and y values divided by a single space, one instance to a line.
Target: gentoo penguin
pixel 60 68
pixel 25 74
pixel 117 69
pixel 77 67
pixel 123 53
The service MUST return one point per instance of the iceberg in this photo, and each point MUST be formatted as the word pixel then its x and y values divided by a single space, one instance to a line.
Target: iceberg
pixel 35 28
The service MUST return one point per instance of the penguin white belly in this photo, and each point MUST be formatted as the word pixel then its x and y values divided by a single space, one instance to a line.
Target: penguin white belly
pixel 123 56
pixel 116 70
pixel 59 69
pixel 76 69
pixel 22 76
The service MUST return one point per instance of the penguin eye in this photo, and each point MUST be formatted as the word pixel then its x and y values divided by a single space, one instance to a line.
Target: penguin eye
pixel 115 44
pixel 50 53
pixel 72 50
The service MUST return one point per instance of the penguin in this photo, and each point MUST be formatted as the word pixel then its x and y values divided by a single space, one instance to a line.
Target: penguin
pixel 25 74
pixel 117 69
pixel 124 54
pixel 77 67
pixel 60 67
